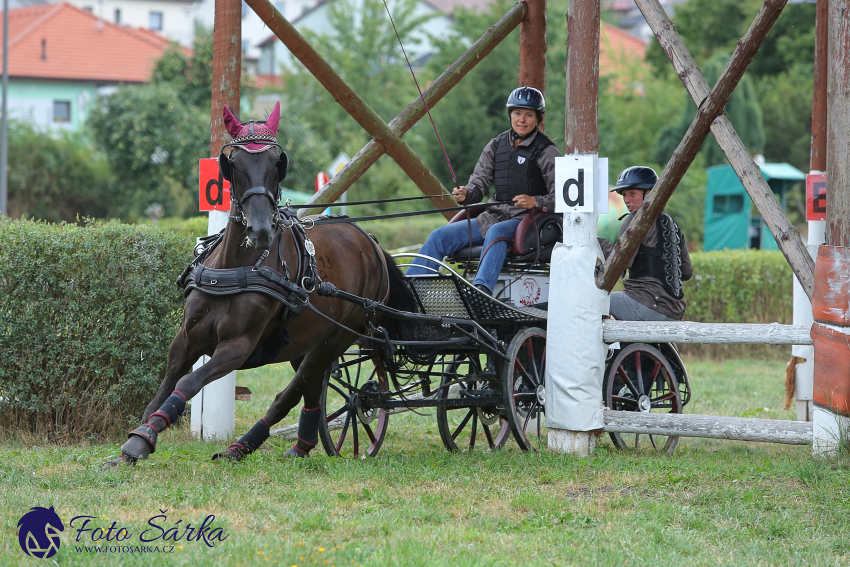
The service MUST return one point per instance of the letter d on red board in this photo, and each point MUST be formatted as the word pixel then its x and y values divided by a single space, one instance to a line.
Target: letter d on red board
pixel 214 190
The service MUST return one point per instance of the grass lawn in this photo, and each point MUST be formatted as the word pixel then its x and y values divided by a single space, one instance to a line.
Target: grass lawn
pixel 710 503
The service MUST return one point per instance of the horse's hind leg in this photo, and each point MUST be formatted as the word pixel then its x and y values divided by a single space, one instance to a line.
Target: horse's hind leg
pixel 307 384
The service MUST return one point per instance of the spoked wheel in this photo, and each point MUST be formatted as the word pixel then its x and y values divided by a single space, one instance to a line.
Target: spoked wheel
pixel 350 427
pixel 525 392
pixel 469 428
pixel 641 379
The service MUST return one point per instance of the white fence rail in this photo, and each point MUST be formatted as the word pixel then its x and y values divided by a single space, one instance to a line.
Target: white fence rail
pixel 706 333
pixel 710 426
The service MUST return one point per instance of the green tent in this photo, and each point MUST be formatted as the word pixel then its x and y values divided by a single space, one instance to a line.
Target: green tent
pixel 730 219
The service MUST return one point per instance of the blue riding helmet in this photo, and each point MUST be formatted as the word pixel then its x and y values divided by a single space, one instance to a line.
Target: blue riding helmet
pixel 527 97
pixel 636 177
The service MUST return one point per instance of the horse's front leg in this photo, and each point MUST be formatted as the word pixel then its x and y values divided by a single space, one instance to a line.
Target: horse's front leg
pixel 179 364
pixel 228 356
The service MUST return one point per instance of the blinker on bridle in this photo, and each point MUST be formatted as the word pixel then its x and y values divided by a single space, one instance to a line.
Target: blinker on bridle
pixel 226 166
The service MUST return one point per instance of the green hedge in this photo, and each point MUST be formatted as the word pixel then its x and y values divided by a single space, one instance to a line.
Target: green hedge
pixel 739 286
pixel 87 314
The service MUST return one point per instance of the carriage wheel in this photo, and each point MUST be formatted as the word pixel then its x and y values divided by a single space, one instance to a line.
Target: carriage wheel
pixel 349 426
pixel 525 392
pixel 641 379
pixel 469 428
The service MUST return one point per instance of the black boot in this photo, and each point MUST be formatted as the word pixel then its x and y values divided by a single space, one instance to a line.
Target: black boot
pixel 484 288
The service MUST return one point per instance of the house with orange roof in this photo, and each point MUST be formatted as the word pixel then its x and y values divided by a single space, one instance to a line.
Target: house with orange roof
pixel 61 57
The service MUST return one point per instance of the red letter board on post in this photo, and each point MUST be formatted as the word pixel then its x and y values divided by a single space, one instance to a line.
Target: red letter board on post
pixel 815 196
pixel 215 190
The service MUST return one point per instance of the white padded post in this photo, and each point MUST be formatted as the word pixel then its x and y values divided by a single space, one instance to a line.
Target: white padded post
pixel 805 371
pixel 213 410
pixel 575 352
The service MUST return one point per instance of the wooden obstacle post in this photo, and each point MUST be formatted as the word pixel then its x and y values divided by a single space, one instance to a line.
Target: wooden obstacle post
pixel 213 411
pixel 532 48
pixel 576 358
pixel 804 366
pixel 831 300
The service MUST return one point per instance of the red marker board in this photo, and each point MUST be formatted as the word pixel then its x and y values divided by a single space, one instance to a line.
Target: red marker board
pixel 815 196
pixel 214 189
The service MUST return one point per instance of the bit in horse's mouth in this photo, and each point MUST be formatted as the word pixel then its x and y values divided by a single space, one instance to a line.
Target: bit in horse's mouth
pixel 247 242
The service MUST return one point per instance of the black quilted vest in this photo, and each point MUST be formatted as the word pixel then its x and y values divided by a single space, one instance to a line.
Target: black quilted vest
pixel 516 171
pixel 663 261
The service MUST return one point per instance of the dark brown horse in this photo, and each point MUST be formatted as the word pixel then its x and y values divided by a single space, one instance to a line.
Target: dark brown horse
pixel 250 329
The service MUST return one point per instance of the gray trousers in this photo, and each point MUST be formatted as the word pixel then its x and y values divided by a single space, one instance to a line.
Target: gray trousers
pixel 625 308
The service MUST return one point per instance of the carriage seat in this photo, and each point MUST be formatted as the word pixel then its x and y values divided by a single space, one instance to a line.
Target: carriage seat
pixel 548 225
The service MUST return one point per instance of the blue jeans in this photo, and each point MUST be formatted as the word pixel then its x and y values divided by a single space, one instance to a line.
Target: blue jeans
pixel 455 236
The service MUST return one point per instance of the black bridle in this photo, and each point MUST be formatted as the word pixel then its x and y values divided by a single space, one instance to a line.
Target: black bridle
pixel 225 164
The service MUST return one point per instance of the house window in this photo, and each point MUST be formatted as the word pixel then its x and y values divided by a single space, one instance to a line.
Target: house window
pixel 244 9
pixel 118 16
pixel 728 204
pixel 280 6
pixel 61 111
pixel 88 9
pixel 156 21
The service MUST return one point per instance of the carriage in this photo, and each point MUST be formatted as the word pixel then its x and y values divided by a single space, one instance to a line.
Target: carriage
pixel 483 369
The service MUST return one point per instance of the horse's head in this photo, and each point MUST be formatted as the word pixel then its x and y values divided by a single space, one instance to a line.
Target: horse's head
pixel 255 168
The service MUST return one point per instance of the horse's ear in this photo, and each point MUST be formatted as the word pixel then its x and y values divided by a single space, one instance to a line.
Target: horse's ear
pixel 224 166
pixel 282 165
pixel 274 118
pixel 231 123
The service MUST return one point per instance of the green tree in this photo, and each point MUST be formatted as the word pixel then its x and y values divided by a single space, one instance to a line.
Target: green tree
pixel 711 26
pixel 56 178
pixel 189 75
pixel 743 110
pixel 153 142
pixel 786 101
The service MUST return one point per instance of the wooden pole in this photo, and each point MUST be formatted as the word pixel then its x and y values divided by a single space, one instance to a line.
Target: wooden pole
pixel 704 333
pixel 532 47
pixel 817 161
pixel 227 68
pixel 581 131
pixel 710 427
pixel 368 119
pixel 710 110
pixel 414 111
pixel 213 414
pixel 838 126
pixel 831 331
pixel 574 375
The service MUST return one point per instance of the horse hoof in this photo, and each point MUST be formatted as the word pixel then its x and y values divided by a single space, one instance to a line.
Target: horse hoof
pixel 123 460
pixel 295 453
pixel 136 447
pixel 229 454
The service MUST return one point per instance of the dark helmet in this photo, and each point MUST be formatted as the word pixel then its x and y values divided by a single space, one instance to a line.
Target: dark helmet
pixel 636 177
pixel 527 97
